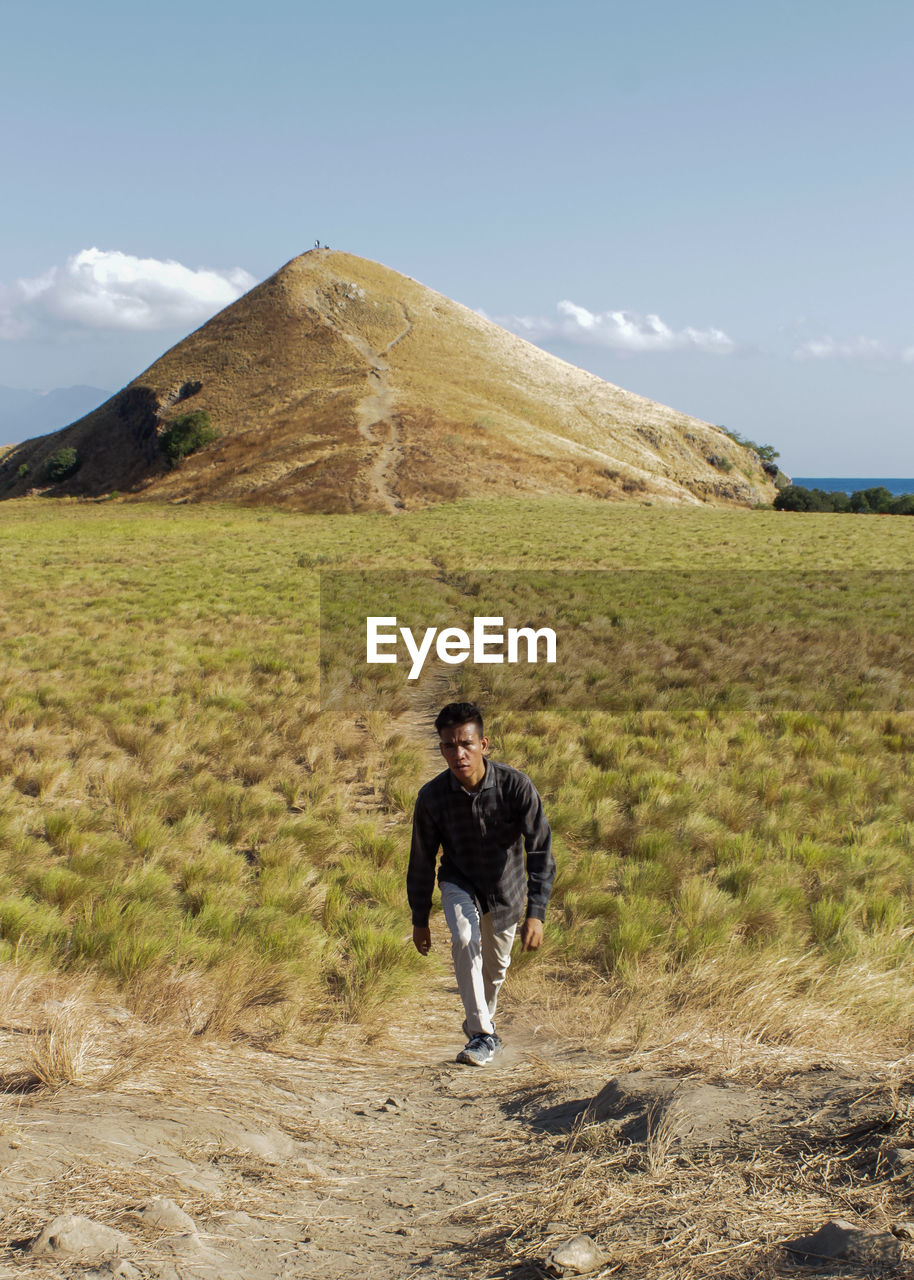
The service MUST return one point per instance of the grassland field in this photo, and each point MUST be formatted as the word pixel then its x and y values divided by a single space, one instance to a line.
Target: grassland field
pixel 183 821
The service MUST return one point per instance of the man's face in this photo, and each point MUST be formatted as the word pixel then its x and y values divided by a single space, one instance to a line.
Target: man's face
pixel 463 750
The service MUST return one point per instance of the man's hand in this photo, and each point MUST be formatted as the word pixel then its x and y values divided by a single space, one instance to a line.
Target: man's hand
pixel 422 939
pixel 531 934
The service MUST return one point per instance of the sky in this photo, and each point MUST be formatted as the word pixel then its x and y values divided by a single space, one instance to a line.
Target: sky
pixel 708 203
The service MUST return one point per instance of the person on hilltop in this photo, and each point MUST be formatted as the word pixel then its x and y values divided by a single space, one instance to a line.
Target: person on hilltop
pixel 496 864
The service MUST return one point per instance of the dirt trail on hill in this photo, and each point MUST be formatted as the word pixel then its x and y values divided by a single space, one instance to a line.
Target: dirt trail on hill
pixel 425 701
pixel 376 419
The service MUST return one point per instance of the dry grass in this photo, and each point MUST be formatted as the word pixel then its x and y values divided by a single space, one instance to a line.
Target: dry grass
pixel 665 1209
pixel 70 1029
pixel 182 819
pixel 92 1188
pixel 61 1053
pixel 729 1025
pixel 687 1217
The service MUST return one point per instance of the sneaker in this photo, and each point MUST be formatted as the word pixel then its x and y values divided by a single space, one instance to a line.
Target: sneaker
pixel 480 1051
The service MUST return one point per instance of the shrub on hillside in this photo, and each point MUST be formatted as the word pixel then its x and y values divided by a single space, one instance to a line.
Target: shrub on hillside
pixel 60 465
pixel 766 452
pixel 186 434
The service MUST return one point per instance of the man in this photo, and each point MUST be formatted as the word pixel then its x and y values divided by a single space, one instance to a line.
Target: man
pixel 484 816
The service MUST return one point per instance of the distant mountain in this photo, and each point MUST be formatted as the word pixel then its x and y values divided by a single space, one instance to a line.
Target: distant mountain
pixel 27 413
pixel 340 385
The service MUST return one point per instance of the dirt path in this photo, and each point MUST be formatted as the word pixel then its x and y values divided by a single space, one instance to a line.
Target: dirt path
pixel 369 1162
pixel 426 699
pixel 385 1160
pixel 376 419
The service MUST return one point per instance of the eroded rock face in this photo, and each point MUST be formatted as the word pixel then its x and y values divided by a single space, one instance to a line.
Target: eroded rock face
pixel 901 1158
pixel 73 1236
pixel 165 1214
pixel 840 1240
pixel 640 1105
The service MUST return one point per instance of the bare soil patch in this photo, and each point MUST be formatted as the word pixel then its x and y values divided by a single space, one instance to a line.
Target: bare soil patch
pixel 345 1159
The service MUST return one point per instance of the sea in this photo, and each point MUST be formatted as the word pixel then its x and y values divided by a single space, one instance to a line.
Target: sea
pixel 850 484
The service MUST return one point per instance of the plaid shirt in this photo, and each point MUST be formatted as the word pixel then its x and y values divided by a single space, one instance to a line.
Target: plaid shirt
pixel 482 836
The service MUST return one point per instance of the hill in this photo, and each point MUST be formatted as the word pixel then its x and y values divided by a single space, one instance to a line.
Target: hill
pixel 341 385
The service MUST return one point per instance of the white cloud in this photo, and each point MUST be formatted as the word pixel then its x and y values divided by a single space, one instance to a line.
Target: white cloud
pixel 859 348
pixel 618 330
pixel 106 289
pixel 872 351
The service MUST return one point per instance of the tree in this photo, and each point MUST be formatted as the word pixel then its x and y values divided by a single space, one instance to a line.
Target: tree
pixel 877 499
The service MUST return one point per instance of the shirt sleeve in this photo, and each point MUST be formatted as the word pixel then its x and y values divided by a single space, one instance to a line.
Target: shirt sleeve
pixel 420 874
pixel 538 846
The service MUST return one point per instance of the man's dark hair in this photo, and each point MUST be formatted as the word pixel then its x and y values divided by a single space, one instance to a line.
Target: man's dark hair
pixel 459 713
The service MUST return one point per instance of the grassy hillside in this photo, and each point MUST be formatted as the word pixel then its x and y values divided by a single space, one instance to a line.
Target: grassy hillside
pixel 181 818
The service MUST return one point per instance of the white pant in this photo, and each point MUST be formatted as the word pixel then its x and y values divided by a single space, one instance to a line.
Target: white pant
pixel 481 957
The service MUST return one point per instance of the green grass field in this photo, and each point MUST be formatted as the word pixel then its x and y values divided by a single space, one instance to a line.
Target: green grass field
pixel 182 819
